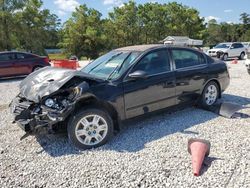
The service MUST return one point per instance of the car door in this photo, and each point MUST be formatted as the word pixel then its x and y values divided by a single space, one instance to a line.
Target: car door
pixel 155 92
pixel 234 50
pixel 190 72
pixel 23 63
pixel 7 61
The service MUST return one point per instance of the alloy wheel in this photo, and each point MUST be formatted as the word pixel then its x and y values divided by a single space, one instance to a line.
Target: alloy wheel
pixel 91 130
pixel 211 95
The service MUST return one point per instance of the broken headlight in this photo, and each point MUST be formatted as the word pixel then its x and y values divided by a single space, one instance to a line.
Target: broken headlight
pixel 49 102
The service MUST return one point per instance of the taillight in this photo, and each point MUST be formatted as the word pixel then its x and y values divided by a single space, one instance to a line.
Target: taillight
pixel 46 59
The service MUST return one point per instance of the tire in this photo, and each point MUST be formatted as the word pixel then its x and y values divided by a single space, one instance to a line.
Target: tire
pixel 36 68
pixel 248 70
pixel 86 123
pixel 225 57
pixel 210 87
pixel 242 55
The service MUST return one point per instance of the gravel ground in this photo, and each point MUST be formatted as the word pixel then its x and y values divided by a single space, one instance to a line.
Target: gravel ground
pixel 151 152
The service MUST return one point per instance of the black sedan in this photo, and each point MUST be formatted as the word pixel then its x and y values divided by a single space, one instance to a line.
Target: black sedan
pixel 124 83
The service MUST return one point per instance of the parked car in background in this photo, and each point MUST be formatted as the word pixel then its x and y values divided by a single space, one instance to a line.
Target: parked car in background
pixel 228 50
pixel 247 45
pixel 122 84
pixel 19 63
pixel 247 62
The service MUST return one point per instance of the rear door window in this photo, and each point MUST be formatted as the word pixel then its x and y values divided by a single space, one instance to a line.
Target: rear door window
pixel 24 56
pixel 154 62
pixel 238 45
pixel 7 57
pixel 186 58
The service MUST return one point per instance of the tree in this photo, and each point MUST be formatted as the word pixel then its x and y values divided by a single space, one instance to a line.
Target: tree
pixel 213 33
pixel 245 27
pixel 152 22
pixel 24 26
pixel 38 27
pixel 123 25
pixel 8 8
pixel 82 33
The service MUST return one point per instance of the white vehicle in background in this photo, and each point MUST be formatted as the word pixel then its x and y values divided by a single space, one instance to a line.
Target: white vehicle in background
pixel 247 62
pixel 228 50
pixel 247 46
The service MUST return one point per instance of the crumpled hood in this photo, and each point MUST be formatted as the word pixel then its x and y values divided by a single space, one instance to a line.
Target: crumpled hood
pixel 46 81
pixel 218 49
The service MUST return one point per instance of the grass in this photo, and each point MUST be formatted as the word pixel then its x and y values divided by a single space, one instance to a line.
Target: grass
pixel 62 56
pixel 57 56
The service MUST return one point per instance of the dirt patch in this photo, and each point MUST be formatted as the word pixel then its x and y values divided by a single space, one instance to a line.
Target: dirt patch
pixel 3 106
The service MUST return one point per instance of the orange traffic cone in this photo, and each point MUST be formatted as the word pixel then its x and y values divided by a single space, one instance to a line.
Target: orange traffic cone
pixel 234 61
pixel 198 148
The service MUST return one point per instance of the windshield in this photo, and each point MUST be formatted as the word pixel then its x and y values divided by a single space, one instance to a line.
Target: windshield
pixel 111 65
pixel 223 45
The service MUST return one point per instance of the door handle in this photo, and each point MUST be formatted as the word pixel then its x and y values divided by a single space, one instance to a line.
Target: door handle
pixel 167 84
pixel 196 77
pixel 170 83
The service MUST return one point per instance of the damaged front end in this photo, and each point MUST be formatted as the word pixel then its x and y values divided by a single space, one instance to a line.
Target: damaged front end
pixel 38 114
pixel 37 118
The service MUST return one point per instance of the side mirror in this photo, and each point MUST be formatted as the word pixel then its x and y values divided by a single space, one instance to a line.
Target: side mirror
pixel 138 75
pixel 231 47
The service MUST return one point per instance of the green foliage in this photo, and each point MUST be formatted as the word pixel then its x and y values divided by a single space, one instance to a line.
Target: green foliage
pixel 57 56
pixel 25 26
pixel 86 34
pixel 82 34
pixel 152 22
pixel 228 32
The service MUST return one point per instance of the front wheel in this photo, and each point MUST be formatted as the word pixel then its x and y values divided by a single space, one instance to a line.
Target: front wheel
pixel 210 94
pixel 90 128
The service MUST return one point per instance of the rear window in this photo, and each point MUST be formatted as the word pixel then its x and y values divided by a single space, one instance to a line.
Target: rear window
pixel 24 56
pixel 6 57
pixel 238 45
pixel 187 58
pixel 210 59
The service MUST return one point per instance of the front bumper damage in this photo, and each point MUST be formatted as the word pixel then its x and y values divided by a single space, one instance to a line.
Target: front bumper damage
pixel 47 97
pixel 37 118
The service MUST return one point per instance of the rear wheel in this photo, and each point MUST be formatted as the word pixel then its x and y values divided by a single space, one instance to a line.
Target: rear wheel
pixel 90 128
pixel 225 57
pixel 210 94
pixel 242 55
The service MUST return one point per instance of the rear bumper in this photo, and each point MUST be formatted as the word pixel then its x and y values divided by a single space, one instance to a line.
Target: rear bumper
pixel 224 82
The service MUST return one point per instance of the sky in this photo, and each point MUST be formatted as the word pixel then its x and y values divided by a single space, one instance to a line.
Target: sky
pixel 221 10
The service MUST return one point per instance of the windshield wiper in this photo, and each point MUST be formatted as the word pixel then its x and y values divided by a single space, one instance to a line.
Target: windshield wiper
pixel 118 67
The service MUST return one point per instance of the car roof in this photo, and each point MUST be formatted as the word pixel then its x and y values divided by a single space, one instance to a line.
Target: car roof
pixel 231 43
pixel 140 48
pixel 226 43
pixel 145 47
pixel 11 52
